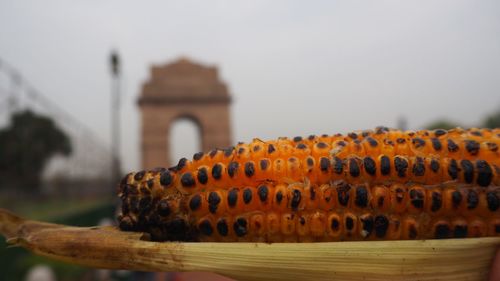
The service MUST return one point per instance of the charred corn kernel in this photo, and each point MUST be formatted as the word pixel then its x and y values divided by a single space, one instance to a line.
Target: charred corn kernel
pixel 366 185
pixel 289 212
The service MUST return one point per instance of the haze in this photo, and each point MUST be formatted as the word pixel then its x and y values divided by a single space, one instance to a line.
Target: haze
pixel 293 67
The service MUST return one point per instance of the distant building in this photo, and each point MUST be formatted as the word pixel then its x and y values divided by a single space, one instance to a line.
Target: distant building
pixel 182 89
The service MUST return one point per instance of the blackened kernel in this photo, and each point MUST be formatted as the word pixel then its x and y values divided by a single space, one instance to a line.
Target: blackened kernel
pixel 150 183
pixel 217 171
pixel 302 220
pixel 439 132
pixel 296 196
pixel 484 173
pixel 365 134
pixel 205 228
pixel 492 146
pixel 297 139
pixel 232 168
pixel 417 198
pixel 212 153
pixel 369 165
pixel 460 231
pixel 372 142
pixel 124 180
pixel 453 169
pixel 381 226
pixel 256 148
pixel 263 191
pixel 240 227
pixel 456 198
pixel 442 231
pixel 264 164
pixel 399 195
pixel 213 202
pixel 126 223
pixel 177 229
pixel 139 175
pixel 353 167
pixel 134 204
pixel 222 227
pixel 131 189
pixel 166 178
pixel 337 165
pixel 472 147
pixel 270 149
pixel 468 169
pixel 197 156
pixel 181 164
pixel 247 195
pixel 163 208
pixel 228 151
pixel 301 146
pixel 312 193
pixel 436 201
pixel 418 168
pixel 195 202
pixel 452 146
pixel 353 135
pixel 321 145
pixel 335 224
pixel 472 199
pixel 412 231
pixel 361 197
pixel 400 140
pixel 187 180
pixel 241 150
pixel 436 144
pixel 476 133
pixel 411 134
pixel 202 175
pixel 497 228
pixel 434 165
pixel 145 204
pixel 380 201
pixel 311 137
pixel 341 143
pixel 249 169
pixel 385 165
pixel 343 193
pixel 349 223
pixel 418 142
pixel 367 225
pixel 232 197
pixel 310 162
pixel 493 201
pixel 279 197
pixel 401 165
pixel 324 164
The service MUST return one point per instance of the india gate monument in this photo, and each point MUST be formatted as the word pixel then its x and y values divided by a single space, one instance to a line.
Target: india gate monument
pixel 182 89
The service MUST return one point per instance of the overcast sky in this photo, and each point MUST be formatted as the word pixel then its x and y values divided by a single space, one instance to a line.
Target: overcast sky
pixel 293 67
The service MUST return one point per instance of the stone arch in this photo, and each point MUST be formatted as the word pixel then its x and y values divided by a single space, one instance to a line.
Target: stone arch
pixel 182 89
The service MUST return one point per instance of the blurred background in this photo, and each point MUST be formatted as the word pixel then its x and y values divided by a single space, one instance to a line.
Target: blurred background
pixel 90 90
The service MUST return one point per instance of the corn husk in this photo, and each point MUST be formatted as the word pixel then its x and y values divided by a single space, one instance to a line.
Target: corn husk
pixel 107 247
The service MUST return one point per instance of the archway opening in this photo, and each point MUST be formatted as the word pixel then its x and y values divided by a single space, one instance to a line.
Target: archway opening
pixel 185 139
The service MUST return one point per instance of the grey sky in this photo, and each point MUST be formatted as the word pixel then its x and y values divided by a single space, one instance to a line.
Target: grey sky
pixel 293 67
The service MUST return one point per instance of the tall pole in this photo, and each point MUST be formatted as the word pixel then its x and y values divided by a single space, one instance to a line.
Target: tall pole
pixel 115 116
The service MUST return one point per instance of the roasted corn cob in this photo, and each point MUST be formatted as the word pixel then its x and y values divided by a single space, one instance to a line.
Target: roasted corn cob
pixel 381 184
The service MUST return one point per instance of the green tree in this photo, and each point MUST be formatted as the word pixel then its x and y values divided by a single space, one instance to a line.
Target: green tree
pixel 442 124
pixel 492 121
pixel 26 145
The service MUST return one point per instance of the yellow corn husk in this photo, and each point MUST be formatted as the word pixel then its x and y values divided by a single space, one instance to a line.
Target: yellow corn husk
pixel 107 247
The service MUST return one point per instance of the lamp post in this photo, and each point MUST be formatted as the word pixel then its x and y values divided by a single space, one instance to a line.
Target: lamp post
pixel 115 116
